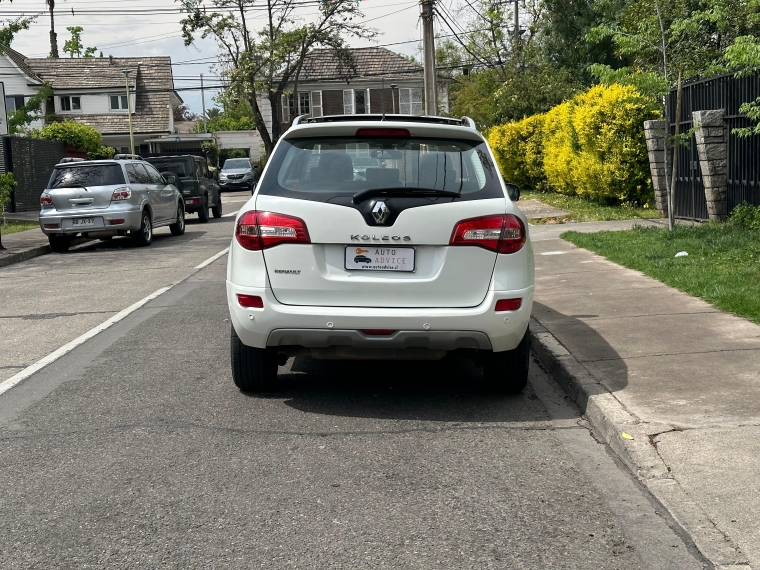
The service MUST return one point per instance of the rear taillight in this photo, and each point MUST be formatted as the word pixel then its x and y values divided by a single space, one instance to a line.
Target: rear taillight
pixel 502 233
pixel 46 200
pixel 261 230
pixel 121 194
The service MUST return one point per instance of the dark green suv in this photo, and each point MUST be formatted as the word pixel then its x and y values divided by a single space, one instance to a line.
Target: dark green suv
pixel 196 184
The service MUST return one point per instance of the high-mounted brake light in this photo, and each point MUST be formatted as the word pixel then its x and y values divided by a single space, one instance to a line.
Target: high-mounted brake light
pixel 46 200
pixel 502 233
pixel 396 133
pixel 261 230
pixel 121 194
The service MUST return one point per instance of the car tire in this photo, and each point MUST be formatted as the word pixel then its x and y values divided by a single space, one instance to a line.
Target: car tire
pixel 217 209
pixel 203 211
pixel 253 369
pixel 59 244
pixel 178 227
pixel 144 236
pixel 507 372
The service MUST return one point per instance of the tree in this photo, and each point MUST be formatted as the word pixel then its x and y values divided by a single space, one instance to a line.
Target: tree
pixel 262 64
pixel 7 183
pixel 183 113
pixel 53 36
pixel 22 117
pixel 744 55
pixel 74 46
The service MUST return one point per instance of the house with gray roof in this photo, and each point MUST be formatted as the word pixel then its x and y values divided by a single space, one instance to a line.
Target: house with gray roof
pixel 93 91
pixel 358 81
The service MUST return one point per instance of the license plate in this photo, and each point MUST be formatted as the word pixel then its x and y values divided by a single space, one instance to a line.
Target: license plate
pixel 370 258
pixel 83 222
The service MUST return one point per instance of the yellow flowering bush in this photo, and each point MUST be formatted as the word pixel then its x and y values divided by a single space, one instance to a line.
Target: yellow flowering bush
pixel 519 151
pixel 592 145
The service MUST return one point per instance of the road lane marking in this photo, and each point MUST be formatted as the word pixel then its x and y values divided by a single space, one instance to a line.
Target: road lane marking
pixel 212 259
pixel 66 348
pixel 230 214
pixel 554 253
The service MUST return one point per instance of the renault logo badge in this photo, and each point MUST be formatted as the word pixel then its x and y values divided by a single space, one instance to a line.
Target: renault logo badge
pixel 380 212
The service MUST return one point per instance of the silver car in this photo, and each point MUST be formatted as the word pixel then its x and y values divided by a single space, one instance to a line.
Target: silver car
pixel 106 198
pixel 236 174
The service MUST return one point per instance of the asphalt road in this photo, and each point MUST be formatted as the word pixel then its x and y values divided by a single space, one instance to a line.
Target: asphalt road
pixel 135 450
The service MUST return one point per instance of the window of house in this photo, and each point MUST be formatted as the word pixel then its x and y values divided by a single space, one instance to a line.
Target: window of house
pixel 355 101
pixel 14 102
pixel 71 103
pixel 118 102
pixel 410 100
pixel 309 103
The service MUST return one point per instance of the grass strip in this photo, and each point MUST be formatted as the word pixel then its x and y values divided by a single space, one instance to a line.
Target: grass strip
pixel 13 227
pixel 582 210
pixel 723 265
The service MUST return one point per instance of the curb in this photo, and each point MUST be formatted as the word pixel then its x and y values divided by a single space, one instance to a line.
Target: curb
pixel 11 258
pixel 610 419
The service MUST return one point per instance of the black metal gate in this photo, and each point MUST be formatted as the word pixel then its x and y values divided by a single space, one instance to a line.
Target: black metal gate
pixel 728 93
pixel 31 161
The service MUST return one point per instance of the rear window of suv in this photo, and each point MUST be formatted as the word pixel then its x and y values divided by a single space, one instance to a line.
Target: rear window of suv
pixel 181 168
pixel 86 175
pixel 317 169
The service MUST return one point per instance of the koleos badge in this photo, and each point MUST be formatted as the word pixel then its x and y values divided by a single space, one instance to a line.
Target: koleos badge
pixel 380 212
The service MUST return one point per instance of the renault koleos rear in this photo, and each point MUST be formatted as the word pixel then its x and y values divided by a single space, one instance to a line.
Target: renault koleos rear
pixel 418 253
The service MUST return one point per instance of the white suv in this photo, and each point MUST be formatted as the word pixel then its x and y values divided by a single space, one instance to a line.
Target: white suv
pixel 423 255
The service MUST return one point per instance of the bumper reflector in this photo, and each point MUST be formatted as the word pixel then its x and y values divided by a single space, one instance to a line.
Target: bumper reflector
pixel 51 226
pixel 508 305
pixel 115 222
pixel 192 201
pixel 378 332
pixel 250 301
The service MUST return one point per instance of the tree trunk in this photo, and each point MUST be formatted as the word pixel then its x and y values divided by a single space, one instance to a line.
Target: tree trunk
pixel 53 35
pixel 261 125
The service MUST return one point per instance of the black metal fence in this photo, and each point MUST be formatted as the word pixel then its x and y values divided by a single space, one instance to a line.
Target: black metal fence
pixel 32 162
pixel 728 93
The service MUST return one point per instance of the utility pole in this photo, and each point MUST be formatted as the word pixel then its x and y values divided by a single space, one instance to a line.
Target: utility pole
pixel 129 111
pixel 428 44
pixel 203 102
pixel 517 26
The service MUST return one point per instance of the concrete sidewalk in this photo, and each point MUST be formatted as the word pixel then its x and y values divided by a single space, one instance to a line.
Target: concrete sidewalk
pixel 670 371
pixel 23 245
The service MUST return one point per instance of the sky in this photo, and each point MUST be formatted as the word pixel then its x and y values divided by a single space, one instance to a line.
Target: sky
pixel 152 34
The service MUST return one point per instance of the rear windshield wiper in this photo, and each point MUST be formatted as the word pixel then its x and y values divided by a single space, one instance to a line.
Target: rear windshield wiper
pixel 360 197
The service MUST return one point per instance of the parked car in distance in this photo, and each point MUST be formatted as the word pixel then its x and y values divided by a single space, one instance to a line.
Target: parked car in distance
pixel 423 255
pixel 107 198
pixel 237 174
pixel 199 189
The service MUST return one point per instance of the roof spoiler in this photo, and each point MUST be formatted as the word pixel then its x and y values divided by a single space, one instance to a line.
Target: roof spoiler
pixel 70 159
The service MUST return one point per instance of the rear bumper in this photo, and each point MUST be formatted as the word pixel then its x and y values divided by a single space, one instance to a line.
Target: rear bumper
pixel 236 184
pixel 102 220
pixel 478 327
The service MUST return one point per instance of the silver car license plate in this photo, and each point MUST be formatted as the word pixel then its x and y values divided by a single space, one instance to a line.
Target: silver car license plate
pixel 370 258
pixel 83 222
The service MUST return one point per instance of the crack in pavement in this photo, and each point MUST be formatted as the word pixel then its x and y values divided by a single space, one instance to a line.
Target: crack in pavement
pixel 241 431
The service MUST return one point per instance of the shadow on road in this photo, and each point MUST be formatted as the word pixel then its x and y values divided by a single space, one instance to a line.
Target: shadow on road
pixel 450 390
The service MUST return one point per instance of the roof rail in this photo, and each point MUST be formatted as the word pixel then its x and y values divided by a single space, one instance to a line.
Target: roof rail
pixel 70 159
pixel 297 120
pixel 430 119
pixel 127 157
